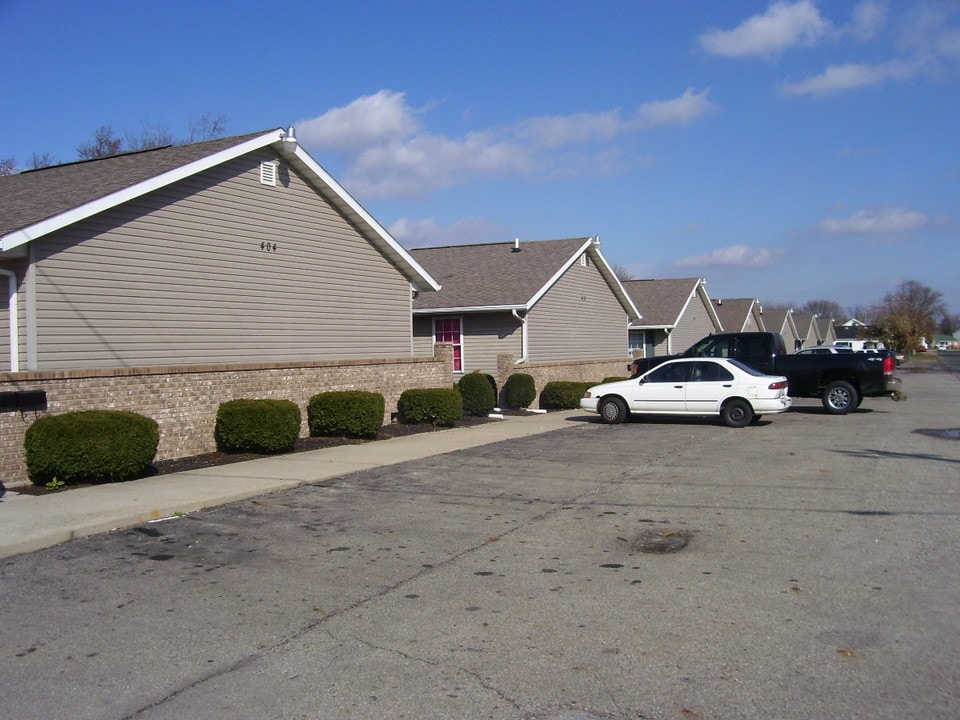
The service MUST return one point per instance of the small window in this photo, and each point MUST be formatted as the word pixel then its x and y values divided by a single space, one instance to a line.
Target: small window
pixel 584 260
pixel 448 330
pixel 268 173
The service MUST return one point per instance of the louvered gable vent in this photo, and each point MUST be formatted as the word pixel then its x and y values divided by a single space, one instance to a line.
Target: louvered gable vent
pixel 268 173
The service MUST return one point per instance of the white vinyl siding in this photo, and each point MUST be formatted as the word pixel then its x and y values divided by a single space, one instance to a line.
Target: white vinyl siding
pixel 179 277
pixel 579 318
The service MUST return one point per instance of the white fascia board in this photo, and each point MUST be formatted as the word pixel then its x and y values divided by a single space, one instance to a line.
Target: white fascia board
pixel 651 327
pixel 611 277
pixel 422 280
pixel 468 309
pixel 82 212
pixel 702 292
pixel 686 304
pixel 592 246
pixel 557 275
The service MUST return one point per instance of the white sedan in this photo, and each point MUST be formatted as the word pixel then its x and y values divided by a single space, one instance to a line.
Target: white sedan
pixel 692 386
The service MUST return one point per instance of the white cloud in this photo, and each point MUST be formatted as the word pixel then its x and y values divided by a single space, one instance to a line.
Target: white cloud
pixel 387 151
pixel 682 110
pixel 382 117
pixel 876 221
pixel 850 76
pixel 869 17
pixel 784 25
pixel 732 256
pixel 427 232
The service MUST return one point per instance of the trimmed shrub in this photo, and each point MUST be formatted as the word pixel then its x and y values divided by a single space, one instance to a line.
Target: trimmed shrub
pixel 266 427
pixel 90 446
pixel 519 390
pixel 563 394
pixel 479 397
pixel 350 413
pixel 613 378
pixel 438 406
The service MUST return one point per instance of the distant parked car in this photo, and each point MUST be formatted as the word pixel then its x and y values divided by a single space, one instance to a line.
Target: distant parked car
pixel 692 386
pixel 824 350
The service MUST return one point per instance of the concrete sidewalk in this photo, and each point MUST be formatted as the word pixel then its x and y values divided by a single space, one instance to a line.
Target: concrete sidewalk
pixel 31 522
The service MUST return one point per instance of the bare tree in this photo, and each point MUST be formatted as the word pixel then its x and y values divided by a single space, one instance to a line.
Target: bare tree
pixel 622 273
pixel 152 135
pixel 41 161
pixel 104 143
pixel 8 166
pixel 949 324
pixel 207 127
pixel 823 308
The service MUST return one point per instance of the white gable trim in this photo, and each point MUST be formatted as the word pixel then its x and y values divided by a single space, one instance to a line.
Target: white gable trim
pixel 591 246
pixel 383 239
pixel 82 212
pixel 468 309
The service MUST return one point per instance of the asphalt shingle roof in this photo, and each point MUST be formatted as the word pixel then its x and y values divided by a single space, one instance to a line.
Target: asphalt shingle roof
pixel 30 197
pixel 775 318
pixel 660 301
pixel 491 274
pixel 733 312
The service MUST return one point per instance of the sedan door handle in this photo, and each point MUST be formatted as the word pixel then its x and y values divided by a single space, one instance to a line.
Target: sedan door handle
pixel 679 387
pixel 728 385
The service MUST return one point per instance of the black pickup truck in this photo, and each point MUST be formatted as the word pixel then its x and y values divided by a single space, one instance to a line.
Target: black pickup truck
pixel 841 381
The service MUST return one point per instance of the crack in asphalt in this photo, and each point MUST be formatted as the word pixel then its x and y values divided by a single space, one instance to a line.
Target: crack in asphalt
pixel 361 602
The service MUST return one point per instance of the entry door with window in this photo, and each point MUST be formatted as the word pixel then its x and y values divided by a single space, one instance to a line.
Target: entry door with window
pixel 448 330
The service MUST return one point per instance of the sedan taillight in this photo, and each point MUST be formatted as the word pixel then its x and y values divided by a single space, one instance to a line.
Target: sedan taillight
pixel 778 385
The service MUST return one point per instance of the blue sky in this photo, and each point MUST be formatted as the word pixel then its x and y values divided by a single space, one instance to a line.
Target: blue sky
pixel 790 151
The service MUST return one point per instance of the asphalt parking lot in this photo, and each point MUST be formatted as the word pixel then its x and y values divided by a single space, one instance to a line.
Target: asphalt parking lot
pixel 819 579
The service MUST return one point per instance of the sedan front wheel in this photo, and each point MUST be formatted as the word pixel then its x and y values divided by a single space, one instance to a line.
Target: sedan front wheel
pixel 613 410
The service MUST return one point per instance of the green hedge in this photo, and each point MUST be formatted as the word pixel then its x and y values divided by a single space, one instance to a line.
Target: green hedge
pixel 563 394
pixel 438 406
pixel 350 413
pixel 257 426
pixel 613 378
pixel 478 393
pixel 90 446
pixel 519 390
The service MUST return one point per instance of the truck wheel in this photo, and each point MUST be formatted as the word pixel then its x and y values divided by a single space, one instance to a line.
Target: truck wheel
pixel 839 397
pixel 737 414
pixel 613 410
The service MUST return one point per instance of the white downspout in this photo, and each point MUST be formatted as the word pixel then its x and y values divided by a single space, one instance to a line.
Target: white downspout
pixel 14 319
pixel 523 335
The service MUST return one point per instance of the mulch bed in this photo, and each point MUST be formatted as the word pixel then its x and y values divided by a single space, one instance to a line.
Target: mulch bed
pixel 213 459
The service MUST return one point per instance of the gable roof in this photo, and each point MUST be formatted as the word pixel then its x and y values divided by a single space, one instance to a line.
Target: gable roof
pixel 823 326
pixel 806 322
pixel 663 302
pixel 849 332
pixel 774 319
pixel 37 202
pixel 733 312
pixel 506 276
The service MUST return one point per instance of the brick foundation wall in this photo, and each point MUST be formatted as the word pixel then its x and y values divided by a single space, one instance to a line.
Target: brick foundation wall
pixel 184 400
pixel 571 370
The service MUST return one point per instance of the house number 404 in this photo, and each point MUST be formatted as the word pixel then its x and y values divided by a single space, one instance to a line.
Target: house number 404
pixel 268 247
